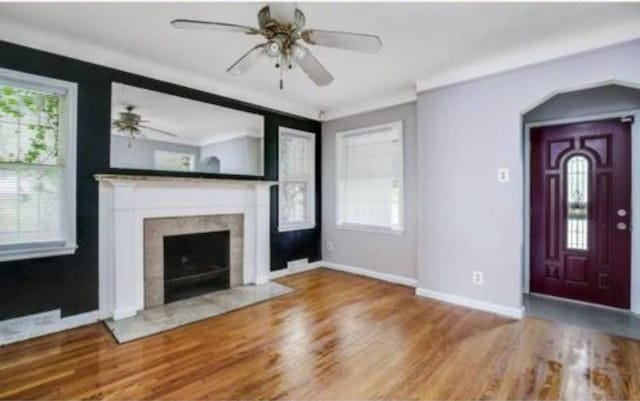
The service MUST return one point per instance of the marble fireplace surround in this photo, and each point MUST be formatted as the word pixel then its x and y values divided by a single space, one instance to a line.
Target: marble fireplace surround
pixel 156 229
pixel 127 201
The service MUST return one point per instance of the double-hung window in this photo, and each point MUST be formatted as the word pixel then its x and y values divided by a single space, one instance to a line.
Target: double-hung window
pixel 296 174
pixel 37 166
pixel 370 178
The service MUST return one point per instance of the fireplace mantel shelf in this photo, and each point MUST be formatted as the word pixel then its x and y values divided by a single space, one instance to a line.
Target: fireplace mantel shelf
pixel 195 180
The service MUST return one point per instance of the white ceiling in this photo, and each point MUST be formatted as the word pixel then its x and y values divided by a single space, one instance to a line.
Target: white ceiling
pixel 194 123
pixel 427 43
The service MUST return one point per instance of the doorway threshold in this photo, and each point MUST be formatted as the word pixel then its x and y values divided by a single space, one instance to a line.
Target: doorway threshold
pixel 605 320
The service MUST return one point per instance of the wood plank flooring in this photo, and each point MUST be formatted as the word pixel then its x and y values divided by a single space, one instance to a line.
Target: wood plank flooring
pixel 339 337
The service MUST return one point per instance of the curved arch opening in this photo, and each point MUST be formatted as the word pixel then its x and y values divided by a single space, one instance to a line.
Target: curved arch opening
pixel 599 101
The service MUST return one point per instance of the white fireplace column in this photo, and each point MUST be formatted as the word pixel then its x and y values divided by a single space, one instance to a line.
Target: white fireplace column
pixel 126 201
pixel 124 278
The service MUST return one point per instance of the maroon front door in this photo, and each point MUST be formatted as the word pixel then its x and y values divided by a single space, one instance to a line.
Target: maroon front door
pixel 580 211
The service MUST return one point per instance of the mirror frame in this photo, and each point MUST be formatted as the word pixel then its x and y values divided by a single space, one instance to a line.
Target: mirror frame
pixel 205 97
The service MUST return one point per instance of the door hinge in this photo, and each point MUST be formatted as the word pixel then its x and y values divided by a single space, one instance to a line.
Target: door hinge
pixel 628 119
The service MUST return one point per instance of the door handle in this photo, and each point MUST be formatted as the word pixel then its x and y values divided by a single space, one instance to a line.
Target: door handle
pixel 621 226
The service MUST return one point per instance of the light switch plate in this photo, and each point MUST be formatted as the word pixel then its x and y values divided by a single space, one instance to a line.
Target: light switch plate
pixel 503 175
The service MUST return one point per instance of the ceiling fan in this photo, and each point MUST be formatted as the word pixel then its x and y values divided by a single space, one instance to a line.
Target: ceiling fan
pixel 132 124
pixel 282 25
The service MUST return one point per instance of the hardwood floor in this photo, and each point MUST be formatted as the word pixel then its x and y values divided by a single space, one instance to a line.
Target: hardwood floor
pixel 338 336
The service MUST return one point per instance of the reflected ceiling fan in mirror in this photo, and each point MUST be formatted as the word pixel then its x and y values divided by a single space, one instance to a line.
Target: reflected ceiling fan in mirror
pixel 283 26
pixel 133 125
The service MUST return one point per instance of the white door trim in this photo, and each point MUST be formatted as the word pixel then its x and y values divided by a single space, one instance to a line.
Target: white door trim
pixel 635 195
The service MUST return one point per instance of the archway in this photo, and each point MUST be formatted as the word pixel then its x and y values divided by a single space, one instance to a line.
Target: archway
pixel 598 101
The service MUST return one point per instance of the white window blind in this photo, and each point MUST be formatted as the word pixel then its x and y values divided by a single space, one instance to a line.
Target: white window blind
pixel 33 196
pixel 296 179
pixel 369 175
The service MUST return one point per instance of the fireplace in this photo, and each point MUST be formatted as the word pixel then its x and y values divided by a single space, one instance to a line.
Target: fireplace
pixel 191 255
pixel 195 264
pixel 137 212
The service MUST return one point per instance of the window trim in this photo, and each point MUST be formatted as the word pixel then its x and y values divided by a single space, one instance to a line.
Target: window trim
pixel 340 136
pixel 311 198
pixel 68 246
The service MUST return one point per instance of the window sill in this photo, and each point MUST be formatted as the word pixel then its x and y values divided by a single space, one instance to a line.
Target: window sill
pixel 370 229
pixel 297 227
pixel 34 253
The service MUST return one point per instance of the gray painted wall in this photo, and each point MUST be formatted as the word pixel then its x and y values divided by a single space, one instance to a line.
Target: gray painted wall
pixel 140 154
pixel 386 253
pixel 466 219
pixel 236 156
pixel 586 102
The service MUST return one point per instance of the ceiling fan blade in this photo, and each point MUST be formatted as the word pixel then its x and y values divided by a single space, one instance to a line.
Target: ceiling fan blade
pixel 310 65
pixel 213 26
pixel 343 40
pixel 264 17
pixel 283 11
pixel 246 61
pixel 158 131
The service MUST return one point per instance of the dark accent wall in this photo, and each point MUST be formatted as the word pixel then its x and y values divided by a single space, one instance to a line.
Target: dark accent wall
pixel 292 245
pixel 70 283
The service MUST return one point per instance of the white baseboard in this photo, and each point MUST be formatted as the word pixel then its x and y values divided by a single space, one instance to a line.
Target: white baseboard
pixel 40 324
pixel 392 278
pixel 285 272
pixel 471 303
pixel 423 292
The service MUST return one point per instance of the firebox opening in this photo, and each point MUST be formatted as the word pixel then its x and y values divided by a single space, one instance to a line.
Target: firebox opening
pixel 195 264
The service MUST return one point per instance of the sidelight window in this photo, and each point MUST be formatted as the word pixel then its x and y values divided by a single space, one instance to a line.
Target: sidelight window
pixel 577 182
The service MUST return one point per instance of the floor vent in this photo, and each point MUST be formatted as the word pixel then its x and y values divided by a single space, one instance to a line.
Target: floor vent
pixel 298 264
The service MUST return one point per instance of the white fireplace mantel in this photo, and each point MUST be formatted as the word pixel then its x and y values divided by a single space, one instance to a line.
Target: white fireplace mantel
pixel 127 200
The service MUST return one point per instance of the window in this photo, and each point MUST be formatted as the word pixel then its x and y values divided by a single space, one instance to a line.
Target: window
pixel 174 161
pixel 37 166
pixel 296 179
pixel 369 178
pixel 577 179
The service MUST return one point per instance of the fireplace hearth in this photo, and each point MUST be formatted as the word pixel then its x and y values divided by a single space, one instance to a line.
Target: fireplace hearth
pixel 195 264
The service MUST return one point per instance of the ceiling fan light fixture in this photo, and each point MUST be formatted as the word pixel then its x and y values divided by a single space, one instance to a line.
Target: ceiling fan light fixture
pixel 282 24
pixel 274 47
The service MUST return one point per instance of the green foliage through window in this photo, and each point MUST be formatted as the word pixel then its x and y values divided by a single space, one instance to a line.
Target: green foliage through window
pixel 29 126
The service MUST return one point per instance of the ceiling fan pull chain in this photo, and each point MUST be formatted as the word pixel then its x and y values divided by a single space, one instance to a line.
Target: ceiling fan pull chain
pixel 282 61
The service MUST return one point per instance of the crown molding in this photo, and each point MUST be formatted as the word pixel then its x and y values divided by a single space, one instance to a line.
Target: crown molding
pixel 535 53
pixel 376 103
pixel 52 42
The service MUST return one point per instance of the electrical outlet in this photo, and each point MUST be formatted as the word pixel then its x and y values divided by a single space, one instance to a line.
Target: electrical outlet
pixel 478 277
pixel 503 175
pixel 329 246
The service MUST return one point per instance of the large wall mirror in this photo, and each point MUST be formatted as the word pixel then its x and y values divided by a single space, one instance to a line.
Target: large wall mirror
pixel 156 131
